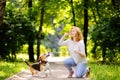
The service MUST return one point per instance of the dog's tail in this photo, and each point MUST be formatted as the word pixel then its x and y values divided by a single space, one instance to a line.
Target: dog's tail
pixel 26 62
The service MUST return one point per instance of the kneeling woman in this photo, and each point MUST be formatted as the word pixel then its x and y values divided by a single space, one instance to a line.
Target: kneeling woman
pixel 76 48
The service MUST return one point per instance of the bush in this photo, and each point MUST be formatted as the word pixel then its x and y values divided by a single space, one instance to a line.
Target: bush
pixel 64 51
pixel 106 35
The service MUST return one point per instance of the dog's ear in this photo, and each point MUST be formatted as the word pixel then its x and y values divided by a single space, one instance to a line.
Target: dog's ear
pixel 48 54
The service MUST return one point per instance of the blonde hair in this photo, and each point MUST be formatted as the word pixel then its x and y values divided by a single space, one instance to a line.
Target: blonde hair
pixel 78 35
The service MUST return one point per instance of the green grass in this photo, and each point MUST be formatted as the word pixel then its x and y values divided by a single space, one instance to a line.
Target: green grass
pixel 98 71
pixel 104 72
pixel 8 69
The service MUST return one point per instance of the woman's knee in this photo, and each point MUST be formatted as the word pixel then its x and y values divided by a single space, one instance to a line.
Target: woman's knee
pixel 68 62
pixel 65 62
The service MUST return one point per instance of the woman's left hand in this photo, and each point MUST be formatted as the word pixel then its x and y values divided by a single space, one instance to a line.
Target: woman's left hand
pixel 78 52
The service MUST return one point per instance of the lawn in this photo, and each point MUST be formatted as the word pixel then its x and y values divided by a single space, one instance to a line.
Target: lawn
pixel 98 71
pixel 8 69
pixel 104 72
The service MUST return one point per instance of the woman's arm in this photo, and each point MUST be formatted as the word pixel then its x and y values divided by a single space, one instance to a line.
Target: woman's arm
pixel 81 54
pixel 82 49
pixel 61 41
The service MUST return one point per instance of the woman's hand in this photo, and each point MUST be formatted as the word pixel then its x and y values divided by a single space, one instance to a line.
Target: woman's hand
pixel 63 37
pixel 66 34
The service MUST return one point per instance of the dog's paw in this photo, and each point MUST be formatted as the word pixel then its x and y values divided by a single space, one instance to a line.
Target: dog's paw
pixel 46 75
pixel 35 75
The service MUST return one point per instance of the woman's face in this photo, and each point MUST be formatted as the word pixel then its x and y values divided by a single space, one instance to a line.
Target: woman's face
pixel 73 32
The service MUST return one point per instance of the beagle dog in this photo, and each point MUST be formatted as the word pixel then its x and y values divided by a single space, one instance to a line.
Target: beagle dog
pixel 42 65
pixel 46 66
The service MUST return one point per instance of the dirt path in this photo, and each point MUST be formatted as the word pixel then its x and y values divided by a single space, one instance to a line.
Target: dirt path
pixel 59 72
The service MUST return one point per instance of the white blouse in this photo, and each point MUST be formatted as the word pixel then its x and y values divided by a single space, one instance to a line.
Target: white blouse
pixel 75 46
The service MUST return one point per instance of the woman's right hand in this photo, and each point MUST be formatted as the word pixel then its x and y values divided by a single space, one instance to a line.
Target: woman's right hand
pixel 66 34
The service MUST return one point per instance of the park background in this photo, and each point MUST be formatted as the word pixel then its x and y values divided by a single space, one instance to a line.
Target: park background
pixel 29 28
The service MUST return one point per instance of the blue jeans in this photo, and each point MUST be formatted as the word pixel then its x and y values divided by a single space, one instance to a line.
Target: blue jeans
pixel 80 67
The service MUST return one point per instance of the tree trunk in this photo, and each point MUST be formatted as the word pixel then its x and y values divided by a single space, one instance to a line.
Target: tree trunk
pixel 31 37
pixel 85 23
pixel 94 50
pixel 40 28
pixel 116 4
pixel 30 51
pixel 104 54
pixel 2 10
pixel 2 42
pixel 73 12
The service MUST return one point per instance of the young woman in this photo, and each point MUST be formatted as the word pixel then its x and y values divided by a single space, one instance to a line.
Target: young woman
pixel 76 49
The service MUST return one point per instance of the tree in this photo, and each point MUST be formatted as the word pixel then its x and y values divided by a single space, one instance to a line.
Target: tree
pixel 106 33
pixel 40 28
pixel 73 12
pixel 85 23
pixel 2 28
pixel 2 10
pixel 31 37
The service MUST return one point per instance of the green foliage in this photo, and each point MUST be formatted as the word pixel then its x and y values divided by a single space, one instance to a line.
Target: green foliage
pixel 24 49
pixel 64 51
pixel 43 49
pixel 106 35
pixel 105 32
pixel 16 31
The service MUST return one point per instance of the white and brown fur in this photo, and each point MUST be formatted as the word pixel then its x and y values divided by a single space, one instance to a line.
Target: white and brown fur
pixel 42 65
